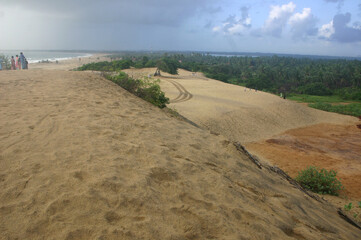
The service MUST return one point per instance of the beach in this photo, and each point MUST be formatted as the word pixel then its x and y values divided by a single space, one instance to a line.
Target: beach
pixel 81 158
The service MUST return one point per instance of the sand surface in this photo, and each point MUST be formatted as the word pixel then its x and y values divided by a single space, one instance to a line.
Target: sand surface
pixel 328 146
pixel 238 113
pixel 80 158
pixel 281 132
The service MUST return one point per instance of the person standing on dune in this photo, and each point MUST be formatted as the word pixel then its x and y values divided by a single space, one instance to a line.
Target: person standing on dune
pixel 23 61
pixel 17 62
pixel 13 67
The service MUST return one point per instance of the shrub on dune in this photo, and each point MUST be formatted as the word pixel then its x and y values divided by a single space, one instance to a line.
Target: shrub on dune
pixel 320 180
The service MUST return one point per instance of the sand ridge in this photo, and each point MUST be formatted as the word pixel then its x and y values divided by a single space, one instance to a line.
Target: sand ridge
pixel 83 159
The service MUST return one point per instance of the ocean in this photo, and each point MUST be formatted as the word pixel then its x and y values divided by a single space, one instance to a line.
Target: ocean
pixel 36 56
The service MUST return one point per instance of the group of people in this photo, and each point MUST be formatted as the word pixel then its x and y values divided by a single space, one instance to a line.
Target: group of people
pixel 19 62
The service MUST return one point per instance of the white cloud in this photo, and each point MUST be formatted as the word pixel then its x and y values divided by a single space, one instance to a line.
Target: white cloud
pixel 303 24
pixel 278 18
pixel 235 25
pixel 327 30
pixel 237 28
pixel 300 17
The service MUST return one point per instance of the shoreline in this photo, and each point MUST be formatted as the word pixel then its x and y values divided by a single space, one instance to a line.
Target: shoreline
pixel 69 64
pixel 59 59
pixel 34 56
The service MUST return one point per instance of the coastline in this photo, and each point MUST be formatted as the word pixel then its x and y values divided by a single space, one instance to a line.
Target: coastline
pixel 69 64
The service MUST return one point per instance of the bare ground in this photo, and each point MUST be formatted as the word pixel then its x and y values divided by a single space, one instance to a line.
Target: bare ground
pixel 80 158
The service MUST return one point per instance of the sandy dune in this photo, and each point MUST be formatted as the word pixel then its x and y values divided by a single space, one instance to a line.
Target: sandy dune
pixel 83 159
pixel 262 121
pixel 239 114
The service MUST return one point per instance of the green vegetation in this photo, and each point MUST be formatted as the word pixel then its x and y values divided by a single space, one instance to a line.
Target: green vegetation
pixel 353 109
pixel 320 180
pixel 348 207
pixel 168 65
pixel 146 89
pixel 315 99
pixel 322 77
pixel 165 64
pixel 5 62
pixel 107 66
pixel 318 81
pixel 332 103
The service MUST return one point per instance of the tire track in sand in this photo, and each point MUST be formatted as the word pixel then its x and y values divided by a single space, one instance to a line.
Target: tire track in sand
pixel 183 95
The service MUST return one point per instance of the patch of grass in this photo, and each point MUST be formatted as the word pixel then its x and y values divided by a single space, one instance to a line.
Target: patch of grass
pixel 315 99
pixel 329 103
pixel 353 109
pixel 320 180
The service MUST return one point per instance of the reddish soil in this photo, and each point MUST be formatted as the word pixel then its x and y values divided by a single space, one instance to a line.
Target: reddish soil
pixel 327 146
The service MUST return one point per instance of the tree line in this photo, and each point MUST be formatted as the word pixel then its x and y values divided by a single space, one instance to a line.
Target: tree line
pixel 268 73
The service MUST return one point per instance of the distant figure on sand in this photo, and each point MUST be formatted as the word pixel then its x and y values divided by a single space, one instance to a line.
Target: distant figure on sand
pixel 26 64
pixel 13 67
pixel 1 67
pixel 22 61
pixel 17 60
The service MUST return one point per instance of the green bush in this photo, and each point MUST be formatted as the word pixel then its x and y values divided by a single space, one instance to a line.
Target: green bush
pixel 316 88
pixel 320 180
pixel 168 65
pixel 349 93
pixel 149 90
pixel 107 66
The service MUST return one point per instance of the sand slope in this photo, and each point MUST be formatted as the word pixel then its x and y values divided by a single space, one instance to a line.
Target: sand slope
pixel 80 158
pixel 239 114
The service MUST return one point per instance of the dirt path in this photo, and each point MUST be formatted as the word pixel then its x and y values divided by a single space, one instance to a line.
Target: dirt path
pixel 183 96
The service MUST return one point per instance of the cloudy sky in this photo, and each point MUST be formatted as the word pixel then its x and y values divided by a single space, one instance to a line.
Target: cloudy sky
pixel 322 27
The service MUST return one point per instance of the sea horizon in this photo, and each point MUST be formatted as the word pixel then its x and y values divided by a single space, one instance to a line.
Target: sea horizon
pixel 35 56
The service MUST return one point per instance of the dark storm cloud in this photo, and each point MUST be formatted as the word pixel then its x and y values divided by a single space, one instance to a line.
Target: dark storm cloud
pixel 159 12
pixel 344 33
